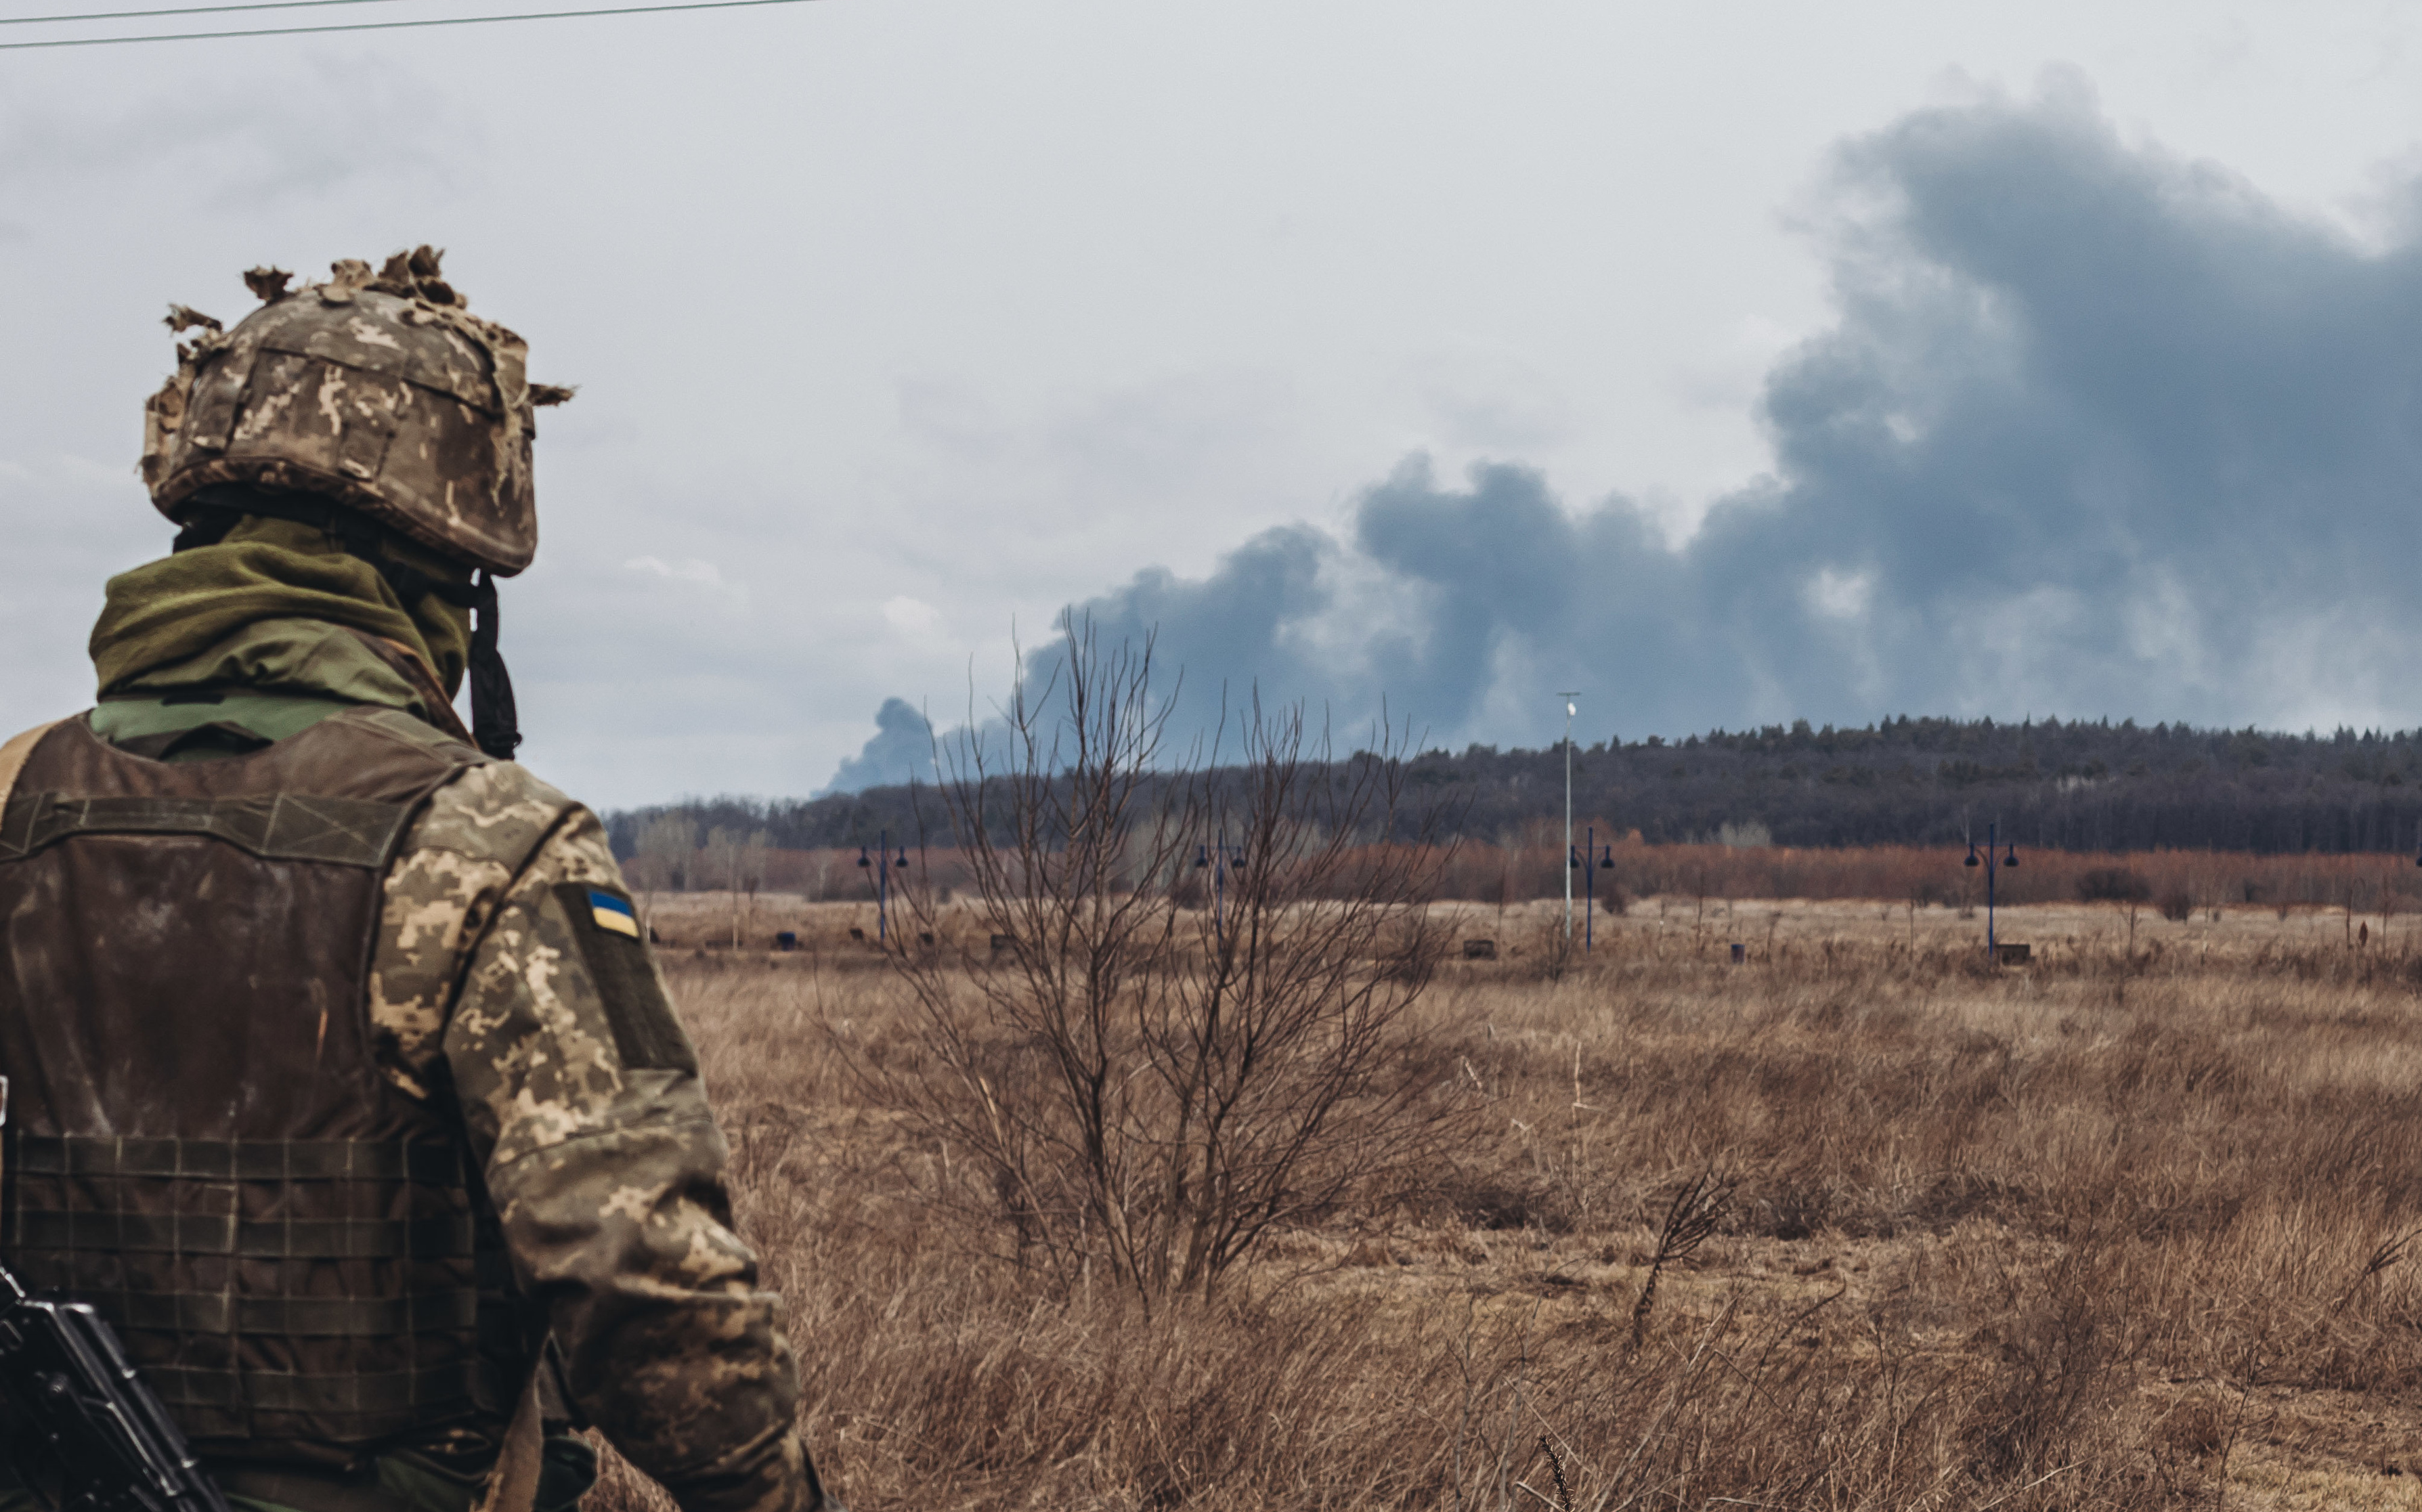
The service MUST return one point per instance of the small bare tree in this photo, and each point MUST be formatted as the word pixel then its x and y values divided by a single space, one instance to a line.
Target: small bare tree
pixel 739 862
pixel 1191 1023
pixel 668 845
pixel 748 876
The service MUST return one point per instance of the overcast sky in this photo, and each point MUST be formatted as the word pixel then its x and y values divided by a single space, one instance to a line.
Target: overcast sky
pixel 1733 362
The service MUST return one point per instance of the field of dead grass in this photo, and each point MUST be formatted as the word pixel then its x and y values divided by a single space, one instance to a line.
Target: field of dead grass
pixel 2125 1227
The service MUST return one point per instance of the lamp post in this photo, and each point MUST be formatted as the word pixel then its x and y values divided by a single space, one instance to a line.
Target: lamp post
pixel 1992 838
pixel 1570 709
pixel 1219 857
pixel 1587 860
pixel 882 865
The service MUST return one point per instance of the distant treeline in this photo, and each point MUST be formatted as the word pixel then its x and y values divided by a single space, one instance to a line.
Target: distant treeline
pixel 2077 786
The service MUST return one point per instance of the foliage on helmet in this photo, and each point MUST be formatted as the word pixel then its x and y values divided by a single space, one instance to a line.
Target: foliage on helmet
pixel 380 391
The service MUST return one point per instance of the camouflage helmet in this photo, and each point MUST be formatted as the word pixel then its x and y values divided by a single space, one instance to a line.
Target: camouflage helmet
pixel 381 393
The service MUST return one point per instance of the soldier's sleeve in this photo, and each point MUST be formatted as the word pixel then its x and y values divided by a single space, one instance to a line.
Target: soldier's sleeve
pixel 581 1092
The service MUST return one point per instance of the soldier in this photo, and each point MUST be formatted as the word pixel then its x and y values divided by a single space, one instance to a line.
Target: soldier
pixel 343 1083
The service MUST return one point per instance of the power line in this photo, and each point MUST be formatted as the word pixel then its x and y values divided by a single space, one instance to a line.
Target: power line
pixel 393 26
pixel 180 10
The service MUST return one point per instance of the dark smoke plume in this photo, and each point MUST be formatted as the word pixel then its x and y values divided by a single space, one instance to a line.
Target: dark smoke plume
pixel 2098 431
pixel 901 751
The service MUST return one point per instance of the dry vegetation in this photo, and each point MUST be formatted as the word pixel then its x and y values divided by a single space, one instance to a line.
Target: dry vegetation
pixel 1529 866
pixel 2126 1227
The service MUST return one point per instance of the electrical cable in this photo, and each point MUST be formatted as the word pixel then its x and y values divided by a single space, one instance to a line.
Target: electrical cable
pixel 397 25
pixel 177 10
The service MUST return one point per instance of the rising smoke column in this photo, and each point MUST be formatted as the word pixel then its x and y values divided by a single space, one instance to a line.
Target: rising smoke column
pixel 2098 430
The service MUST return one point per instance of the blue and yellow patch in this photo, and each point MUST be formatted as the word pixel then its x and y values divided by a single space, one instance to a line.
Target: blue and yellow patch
pixel 612 914
pixel 614 950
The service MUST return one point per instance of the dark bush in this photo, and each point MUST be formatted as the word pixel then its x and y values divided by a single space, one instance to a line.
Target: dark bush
pixel 2178 906
pixel 2113 883
pixel 1499 1207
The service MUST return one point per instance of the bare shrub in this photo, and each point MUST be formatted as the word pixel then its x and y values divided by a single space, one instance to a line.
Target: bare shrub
pixel 2060 1344
pixel 1136 1083
pixel 1693 1216
pixel 2113 883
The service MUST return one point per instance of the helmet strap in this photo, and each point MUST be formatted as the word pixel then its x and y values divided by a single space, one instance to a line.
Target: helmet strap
pixel 495 724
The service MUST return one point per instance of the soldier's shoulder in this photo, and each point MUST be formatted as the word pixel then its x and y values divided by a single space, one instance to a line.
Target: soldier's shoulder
pixel 491 809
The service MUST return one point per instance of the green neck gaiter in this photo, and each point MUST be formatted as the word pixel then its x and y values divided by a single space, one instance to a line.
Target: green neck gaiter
pixel 179 606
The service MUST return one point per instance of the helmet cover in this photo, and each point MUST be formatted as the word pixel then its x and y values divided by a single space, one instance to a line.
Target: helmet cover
pixel 382 393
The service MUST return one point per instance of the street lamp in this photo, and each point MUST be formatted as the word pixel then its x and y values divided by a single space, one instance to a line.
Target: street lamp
pixel 1219 858
pixel 1580 860
pixel 1570 709
pixel 882 865
pixel 1992 837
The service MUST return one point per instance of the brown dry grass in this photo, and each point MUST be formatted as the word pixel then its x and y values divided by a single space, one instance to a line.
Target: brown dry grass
pixel 2204 880
pixel 1531 866
pixel 2122 1228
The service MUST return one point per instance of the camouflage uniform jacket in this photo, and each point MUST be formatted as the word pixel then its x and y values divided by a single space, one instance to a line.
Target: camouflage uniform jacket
pixel 606 1178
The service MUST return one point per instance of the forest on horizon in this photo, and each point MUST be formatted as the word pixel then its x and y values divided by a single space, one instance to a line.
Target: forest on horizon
pixel 2076 786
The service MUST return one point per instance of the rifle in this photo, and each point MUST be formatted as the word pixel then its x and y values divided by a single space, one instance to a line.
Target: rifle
pixel 69 1383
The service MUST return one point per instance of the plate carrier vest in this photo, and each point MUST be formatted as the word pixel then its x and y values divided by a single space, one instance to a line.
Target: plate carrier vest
pixel 199 1141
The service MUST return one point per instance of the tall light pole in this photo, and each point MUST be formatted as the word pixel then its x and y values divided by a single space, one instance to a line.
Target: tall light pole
pixel 1587 860
pixel 1219 859
pixel 1992 842
pixel 1570 709
pixel 881 866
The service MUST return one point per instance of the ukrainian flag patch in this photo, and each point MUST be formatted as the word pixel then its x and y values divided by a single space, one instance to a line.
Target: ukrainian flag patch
pixel 612 914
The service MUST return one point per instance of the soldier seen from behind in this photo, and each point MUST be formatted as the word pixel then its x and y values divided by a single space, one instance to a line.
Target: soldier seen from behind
pixel 342 1082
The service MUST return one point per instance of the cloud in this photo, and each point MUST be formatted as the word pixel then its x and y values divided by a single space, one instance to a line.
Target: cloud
pixel 226 143
pixel 692 572
pixel 911 615
pixel 2098 429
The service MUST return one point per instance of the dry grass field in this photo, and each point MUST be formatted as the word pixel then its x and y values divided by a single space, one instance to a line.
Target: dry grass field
pixel 1857 1222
